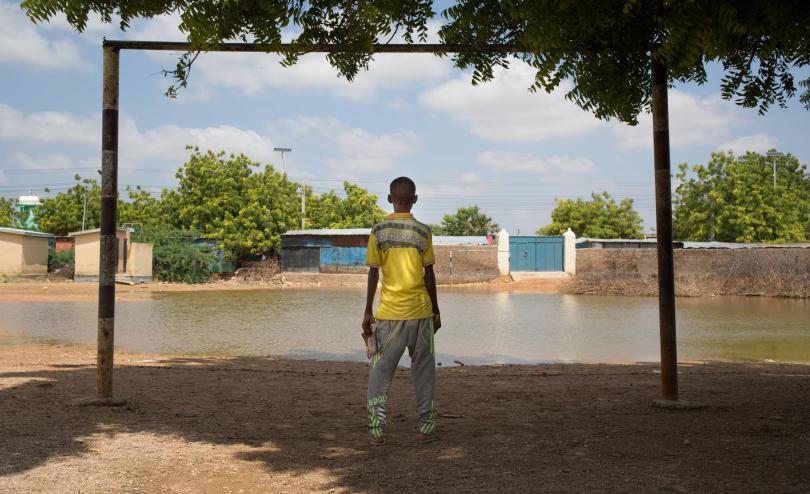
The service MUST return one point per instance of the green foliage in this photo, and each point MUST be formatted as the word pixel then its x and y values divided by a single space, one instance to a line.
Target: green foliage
pixel 465 221
pixel 602 46
pixel 61 260
pixel 62 213
pixel 144 210
pixel 358 209
pixel 733 199
pixel 174 255
pixel 599 217
pixel 226 199
pixel 8 213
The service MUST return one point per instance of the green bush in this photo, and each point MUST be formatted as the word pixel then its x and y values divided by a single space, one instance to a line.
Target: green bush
pixel 57 261
pixel 174 255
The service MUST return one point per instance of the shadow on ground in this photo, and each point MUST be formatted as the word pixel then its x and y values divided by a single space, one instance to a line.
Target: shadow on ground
pixel 299 426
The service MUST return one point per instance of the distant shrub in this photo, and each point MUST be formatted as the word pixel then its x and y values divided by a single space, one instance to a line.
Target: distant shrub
pixel 174 255
pixel 60 261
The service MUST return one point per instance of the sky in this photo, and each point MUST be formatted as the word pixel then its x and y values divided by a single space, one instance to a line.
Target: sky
pixel 497 145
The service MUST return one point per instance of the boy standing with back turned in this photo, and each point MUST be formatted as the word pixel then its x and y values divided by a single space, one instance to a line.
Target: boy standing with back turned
pixel 408 314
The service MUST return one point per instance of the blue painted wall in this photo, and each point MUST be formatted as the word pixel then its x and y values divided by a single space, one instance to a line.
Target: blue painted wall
pixel 343 259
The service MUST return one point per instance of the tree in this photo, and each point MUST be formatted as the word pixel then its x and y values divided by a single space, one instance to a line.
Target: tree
pixel 8 213
pixel 733 199
pixel 358 209
pixel 599 217
pixel 63 213
pixel 603 46
pixel 226 199
pixel 144 210
pixel 175 257
pixel 465 221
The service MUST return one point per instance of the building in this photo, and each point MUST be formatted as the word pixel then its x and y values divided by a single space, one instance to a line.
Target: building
pixel 325 250
pixel 134 259
pixel 26 205
pixel 23 252
pixel 621 243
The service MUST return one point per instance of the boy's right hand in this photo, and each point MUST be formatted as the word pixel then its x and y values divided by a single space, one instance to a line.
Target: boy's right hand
pixel 368 320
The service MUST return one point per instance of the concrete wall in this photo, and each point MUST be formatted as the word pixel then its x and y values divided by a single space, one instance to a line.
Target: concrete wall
pixel 34 255
pixel 23 255
pixel 139 264
pixel 87 253
pixel 471 263
pixel 10 254
pixel 760 271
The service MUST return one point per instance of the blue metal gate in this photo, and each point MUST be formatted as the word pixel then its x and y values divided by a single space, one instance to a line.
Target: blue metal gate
pixel 533 253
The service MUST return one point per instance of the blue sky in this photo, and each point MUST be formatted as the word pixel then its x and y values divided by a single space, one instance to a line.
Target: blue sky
pixel 497 145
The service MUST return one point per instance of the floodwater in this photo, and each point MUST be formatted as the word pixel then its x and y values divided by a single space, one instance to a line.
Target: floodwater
pixel 479 328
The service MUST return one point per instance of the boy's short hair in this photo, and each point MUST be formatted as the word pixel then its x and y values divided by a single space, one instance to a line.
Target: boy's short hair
pixel 403 187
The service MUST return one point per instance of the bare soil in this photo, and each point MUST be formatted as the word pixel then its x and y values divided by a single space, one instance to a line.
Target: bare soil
pixel 262 425
pixel 46 290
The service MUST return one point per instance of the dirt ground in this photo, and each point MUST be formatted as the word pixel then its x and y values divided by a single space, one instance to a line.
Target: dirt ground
pixel 259 425
pixel 67 290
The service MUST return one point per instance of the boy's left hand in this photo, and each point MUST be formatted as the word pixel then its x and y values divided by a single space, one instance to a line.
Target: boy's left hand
pixel 437 322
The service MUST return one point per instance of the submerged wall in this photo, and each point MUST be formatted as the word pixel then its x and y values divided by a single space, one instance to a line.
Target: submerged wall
pixel 783 272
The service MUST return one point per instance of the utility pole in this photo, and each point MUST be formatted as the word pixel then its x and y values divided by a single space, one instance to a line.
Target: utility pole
pixel 84 213
pixel 774 154
pixel 303 208
pixel 282 151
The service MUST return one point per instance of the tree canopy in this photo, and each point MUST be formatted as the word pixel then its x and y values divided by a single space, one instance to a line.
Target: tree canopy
pixel 63 213
pixel 8 213
pixel 240 204
pixel 733 199
pixel 358 209
pixel 232 200
pixel 465 221
pixel 602 46
pixel 599 217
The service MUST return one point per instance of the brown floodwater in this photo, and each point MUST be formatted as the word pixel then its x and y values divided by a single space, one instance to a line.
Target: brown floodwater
pixel 479 328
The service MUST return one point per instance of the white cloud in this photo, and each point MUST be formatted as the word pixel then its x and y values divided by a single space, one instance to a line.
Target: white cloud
pixel 504 110
pixel 163 144
pixel 48 126
pixel 253 73
pixel 505 161
pixel 166 143
pixel 469 178
pixel 21 41
pixel 49 161
pixel 355 150
pixel 692 121
pixel 351 149
pixel 759 143
pixel 3 177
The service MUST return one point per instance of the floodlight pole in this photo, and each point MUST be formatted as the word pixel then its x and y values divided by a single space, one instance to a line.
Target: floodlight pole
pixel 663 222
pixel 109 198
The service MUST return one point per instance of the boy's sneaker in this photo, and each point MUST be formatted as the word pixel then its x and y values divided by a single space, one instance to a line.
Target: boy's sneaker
pixel 428 438
pixel 376 441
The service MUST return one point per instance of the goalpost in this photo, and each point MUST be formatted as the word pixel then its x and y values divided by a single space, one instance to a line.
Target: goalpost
pixel 109 195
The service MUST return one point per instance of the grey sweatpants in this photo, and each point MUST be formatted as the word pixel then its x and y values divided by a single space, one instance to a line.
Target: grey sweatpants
pixel 392 339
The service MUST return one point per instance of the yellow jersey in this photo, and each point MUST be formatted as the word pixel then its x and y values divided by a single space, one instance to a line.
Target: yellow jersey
pixel 401 247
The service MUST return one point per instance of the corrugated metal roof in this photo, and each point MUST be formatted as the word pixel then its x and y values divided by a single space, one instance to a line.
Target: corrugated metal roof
pixel 459 240
pixel 330 231
pixel 96 230
pixel 617 240
pixel 29 233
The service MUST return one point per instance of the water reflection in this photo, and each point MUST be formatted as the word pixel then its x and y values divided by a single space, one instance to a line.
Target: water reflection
pixel 478 327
